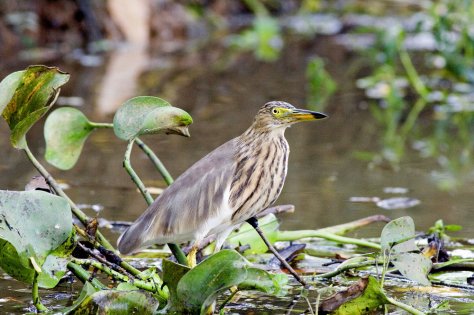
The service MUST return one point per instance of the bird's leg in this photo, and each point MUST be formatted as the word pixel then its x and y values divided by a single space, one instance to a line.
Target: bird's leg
pixel 254 223
pixel 192 255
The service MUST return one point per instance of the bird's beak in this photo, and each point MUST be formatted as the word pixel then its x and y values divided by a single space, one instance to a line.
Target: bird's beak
pixel 306 115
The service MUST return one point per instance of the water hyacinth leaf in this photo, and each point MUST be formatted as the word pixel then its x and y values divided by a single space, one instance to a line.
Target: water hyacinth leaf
pixel 118 302
pixel 199 287
pixel 35 225
pixel 360 298
pixel 35 92
pixel 65 131
pixel 87 290
pixel 413 266
pixel 172 274
pixel 149 115
pixel 8 87
pixel 246 235
pixel 260 280
pixel 398 235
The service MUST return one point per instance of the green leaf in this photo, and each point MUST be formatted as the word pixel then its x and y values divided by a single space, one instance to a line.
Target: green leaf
pixel 246 235
pixel 172 274
pixel 199 288
pixel 65 131
pixel 260 280
pixel 87 290
pixel 35 225
pixel 413 266
pixel 195 290
pixel 8 87
pixel 149 115
pixel 118 302
pixel 361 298
pixel 36 90
pixel 398 235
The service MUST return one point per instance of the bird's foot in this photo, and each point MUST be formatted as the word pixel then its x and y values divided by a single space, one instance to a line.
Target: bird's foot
pixel 192 257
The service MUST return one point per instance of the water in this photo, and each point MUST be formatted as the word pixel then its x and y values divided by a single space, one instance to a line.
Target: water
pixel 222 93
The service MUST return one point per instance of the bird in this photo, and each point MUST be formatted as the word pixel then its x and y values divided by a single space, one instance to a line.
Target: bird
pixel 228 186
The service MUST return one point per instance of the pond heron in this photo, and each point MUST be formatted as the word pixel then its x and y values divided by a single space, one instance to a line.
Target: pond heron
pixel 230 185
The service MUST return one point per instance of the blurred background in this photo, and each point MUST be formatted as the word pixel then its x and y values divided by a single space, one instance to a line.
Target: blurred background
pixel 395 77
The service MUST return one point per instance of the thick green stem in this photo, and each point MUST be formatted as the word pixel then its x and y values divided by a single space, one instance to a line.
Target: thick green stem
pixel 404 306
pixel 36 298
pixel 345 268
pixel 133 175
pixel 344 228
pixel 101 125
pixel 85 276
pixel 75 210
pixel 156 161
pixel 145 285
pixel 296 235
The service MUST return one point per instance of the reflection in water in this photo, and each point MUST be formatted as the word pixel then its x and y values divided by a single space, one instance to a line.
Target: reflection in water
pixel 120 79
pixel 125 64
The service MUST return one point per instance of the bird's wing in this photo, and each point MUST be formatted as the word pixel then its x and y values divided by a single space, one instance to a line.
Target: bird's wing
pixel 185 209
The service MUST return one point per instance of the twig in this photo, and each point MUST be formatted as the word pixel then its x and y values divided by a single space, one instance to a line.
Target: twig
pixel 254 223
pixel 105 261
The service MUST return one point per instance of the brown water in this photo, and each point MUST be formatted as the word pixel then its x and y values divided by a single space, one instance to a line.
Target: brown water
pixel 222 93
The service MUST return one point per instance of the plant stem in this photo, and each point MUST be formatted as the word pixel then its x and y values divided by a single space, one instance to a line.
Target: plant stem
pixel 85 276
pixel 296 235
pixel 412 117
pixel 75 210
pixel 141 284
pixel 175 249
pixel 412 75
pixel 404 306
pixel 156 161
pixel 36 298
pixel 346 267
pixel 133 175
pixel 101 125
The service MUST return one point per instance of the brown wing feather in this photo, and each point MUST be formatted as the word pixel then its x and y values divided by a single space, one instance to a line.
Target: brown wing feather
pixel 182 209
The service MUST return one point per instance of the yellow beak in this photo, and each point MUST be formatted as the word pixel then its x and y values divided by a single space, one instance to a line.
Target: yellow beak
pixel 306 115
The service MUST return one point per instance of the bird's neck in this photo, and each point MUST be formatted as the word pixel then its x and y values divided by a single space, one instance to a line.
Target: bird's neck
pixel 262 133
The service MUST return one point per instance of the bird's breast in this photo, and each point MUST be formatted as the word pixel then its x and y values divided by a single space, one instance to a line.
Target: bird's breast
pixel 259 177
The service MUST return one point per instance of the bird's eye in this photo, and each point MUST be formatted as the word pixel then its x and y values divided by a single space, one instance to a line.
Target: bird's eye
pixel 275 111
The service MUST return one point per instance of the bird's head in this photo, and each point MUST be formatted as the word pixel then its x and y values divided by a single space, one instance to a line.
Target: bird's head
pixel 277 114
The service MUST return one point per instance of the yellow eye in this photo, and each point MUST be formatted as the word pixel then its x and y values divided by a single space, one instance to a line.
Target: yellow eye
pixel 275 111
